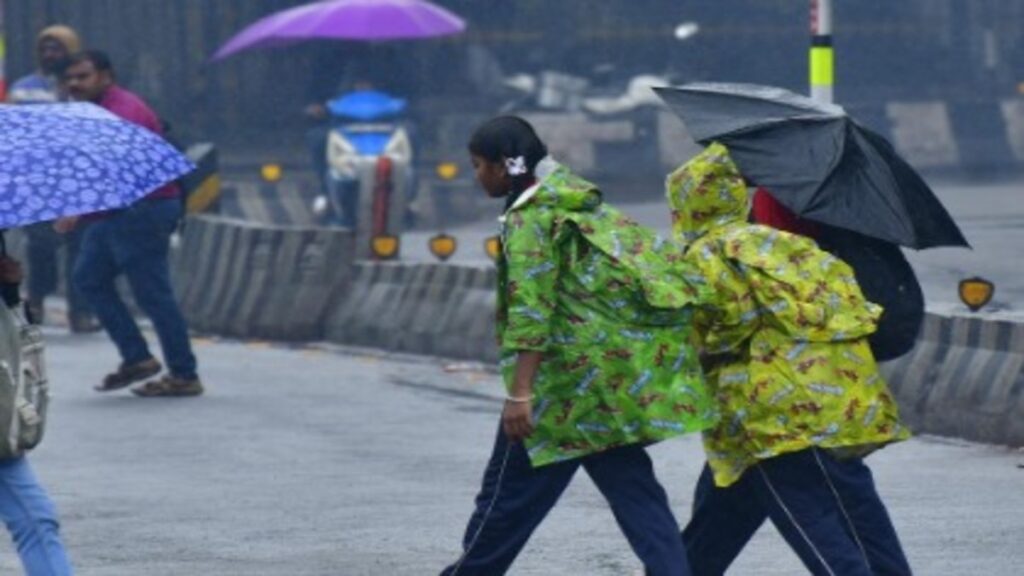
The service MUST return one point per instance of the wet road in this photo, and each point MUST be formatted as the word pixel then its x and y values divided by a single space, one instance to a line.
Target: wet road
pixel 320 462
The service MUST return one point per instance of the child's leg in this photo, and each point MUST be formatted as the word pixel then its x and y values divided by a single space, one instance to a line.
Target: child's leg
pixel 867 519
pixel 626 478
pixel 30 516
pixel 513 500
pixel 723 521
pixel 804 508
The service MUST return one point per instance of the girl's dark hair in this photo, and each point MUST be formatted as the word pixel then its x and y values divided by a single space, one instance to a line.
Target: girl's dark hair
pixel 508 137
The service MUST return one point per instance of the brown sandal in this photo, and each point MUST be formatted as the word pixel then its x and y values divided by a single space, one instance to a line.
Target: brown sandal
pixel 169 387
pixel 129 374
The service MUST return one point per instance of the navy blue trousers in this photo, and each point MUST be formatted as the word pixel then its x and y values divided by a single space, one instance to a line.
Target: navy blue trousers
pixel 827 509
pixel 515 498
pixel 136 242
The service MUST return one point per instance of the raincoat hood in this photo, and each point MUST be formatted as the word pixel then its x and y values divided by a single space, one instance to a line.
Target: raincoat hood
pixel 63 34
pixel 707 192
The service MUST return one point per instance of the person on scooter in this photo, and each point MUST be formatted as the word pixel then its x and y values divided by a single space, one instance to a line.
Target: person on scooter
pixel 367 127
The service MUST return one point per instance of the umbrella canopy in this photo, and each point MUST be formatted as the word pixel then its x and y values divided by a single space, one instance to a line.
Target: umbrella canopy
pixel 364 20
pixel 60 160
pixel 817 161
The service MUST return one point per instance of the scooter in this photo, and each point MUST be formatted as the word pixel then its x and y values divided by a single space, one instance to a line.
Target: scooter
pixel 369 165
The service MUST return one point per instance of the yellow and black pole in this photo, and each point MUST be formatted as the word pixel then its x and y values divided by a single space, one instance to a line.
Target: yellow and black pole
pixel 822 53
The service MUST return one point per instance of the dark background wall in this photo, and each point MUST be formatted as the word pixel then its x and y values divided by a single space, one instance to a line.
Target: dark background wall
pixel 954 50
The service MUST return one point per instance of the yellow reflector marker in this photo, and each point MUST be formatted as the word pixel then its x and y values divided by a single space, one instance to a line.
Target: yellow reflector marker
pixel 385 247
pixel 271 172
pixel 203 197
pixel 976 292
pixel 492 246
pixel 447 170
pixel 822 66
pixel 443 246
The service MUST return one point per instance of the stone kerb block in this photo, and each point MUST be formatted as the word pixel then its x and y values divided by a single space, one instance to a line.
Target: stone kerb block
pixel 435 309
pixel 923 133
pixel 225 266
pixel 368 314
pixel 420 311
pixel 981 136
pixel 468 330
pixel 965 378
pixel 342 316
pixel 308 266
pixel 201 253
pixel 251 280
pixel 1013 115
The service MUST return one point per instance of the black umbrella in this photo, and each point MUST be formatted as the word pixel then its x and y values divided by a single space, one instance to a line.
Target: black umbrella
pixel 817 161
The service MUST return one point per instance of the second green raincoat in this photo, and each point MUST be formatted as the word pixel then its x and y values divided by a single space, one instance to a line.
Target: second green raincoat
pixel 790 323
pixel 599 296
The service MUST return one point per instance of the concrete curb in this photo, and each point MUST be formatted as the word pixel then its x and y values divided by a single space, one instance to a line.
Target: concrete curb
pixel 965 378
pixel 258 281
pixel 432 309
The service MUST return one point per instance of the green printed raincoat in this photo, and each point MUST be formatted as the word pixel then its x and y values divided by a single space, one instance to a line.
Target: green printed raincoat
pixel 790 323
pixel 601 297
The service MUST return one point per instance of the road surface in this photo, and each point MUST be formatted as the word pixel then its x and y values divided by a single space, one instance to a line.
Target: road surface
pixel 329 462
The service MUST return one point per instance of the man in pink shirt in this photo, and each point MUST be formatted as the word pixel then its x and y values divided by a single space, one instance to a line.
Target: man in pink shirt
pixel 135 242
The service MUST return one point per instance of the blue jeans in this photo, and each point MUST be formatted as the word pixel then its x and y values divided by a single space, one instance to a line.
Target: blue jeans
pixel 828 510
pixel 32 520
pixel 515 498
pixel 136 242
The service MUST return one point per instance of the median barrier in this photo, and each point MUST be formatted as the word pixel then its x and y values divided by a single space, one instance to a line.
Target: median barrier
pixel 260 281
pixel 309 267
pixel 433 309
pixel 449 311
pixel 965 378
pixel 469 320
pixel 923 134
pixel 365 315
pixel 982 137
pixel 260 249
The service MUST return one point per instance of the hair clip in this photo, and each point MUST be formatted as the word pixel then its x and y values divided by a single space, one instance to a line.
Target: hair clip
pixel 516 166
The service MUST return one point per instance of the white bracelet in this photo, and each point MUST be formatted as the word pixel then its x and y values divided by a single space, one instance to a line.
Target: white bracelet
pixel 520 400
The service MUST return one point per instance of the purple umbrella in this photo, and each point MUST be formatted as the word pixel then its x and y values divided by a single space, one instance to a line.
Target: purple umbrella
pixel 365 20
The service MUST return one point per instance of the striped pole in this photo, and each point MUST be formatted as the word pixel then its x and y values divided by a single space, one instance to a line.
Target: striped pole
pixel 822 54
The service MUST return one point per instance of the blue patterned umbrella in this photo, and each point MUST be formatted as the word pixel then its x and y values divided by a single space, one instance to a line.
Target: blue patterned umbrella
pixel 71 159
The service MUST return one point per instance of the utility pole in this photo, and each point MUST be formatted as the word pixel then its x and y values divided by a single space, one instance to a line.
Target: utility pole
pixel 822 55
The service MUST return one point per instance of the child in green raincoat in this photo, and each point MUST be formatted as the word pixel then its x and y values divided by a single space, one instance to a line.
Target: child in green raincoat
pixel 598 358
pixel 798 388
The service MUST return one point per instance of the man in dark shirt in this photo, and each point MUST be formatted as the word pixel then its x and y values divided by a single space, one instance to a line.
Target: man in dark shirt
pixel 135 242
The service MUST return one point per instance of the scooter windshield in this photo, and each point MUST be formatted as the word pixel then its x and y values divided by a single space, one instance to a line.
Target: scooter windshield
pixel 366 106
